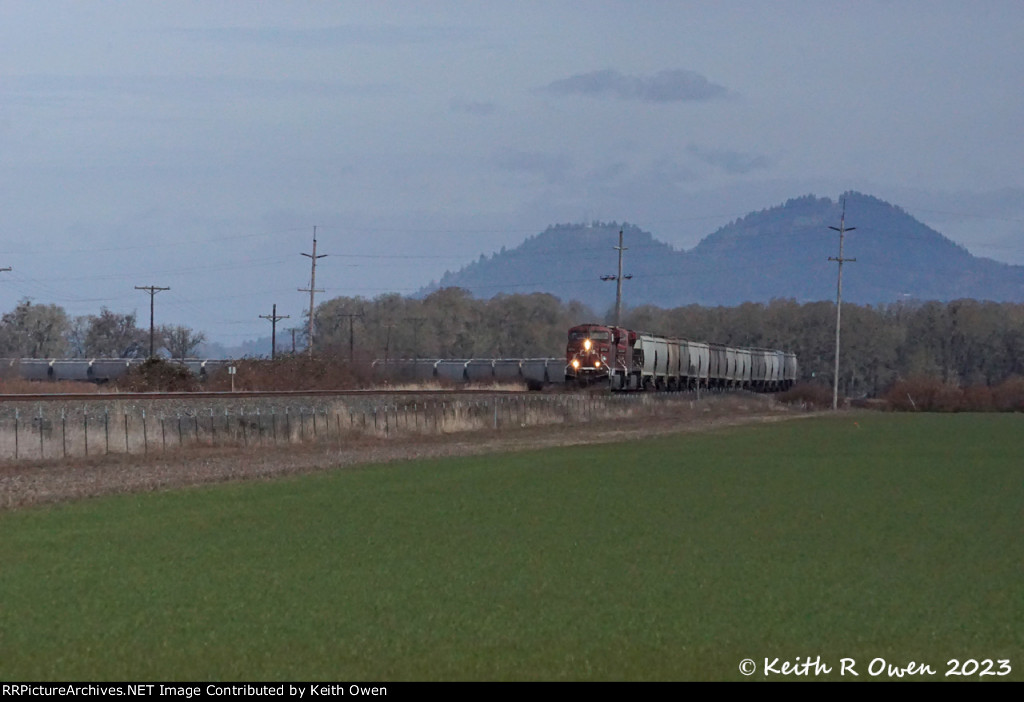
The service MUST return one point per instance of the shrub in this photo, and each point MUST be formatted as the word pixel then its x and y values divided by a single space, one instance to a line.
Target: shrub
pixel 923 394
pixel 1008 396
pixel 158 375
pixel 810 394
pixel 977 398
pixel 293 373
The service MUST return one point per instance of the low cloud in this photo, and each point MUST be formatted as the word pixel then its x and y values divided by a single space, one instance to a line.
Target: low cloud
pixel 734 162
pixel 664 86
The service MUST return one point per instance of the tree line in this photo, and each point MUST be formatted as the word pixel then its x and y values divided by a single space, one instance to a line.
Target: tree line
pixel 963 342
pixel 960 343
pixel 47 331
pixel 448 323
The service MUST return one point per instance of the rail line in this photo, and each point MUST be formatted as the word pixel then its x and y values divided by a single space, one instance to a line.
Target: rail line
pixel 244 394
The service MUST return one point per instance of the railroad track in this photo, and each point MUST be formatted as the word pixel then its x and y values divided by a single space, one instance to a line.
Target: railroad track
pixel 251 394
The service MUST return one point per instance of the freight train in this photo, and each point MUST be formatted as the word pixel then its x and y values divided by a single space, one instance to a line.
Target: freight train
pixel 596 355
pixel 630 360
pixel 97 370
pixel 536 373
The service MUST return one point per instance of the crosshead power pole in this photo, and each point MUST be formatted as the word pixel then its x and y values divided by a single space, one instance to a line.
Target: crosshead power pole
pixel 842 229
pixel 152 290
pixel 274 319
pixel 312 289
pixel 618 282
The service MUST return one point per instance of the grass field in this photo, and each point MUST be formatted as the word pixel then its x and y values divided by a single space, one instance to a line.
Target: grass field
pixel 861 536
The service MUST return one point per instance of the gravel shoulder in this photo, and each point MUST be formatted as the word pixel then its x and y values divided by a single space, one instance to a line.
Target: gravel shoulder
pixel 34 483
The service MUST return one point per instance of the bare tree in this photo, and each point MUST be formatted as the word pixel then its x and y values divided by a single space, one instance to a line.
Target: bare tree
pixel 76 335
pixel 34 331
pixel 114 335
pixel 180 341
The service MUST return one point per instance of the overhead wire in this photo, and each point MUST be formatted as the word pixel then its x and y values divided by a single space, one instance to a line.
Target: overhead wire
pixel 43 288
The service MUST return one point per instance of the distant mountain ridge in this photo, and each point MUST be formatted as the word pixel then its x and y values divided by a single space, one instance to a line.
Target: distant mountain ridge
pixel 779 252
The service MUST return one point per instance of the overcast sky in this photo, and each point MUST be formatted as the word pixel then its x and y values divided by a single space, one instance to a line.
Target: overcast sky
pixel 194 145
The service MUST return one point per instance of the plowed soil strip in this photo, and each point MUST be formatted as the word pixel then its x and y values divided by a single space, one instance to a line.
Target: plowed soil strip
pixel 25 484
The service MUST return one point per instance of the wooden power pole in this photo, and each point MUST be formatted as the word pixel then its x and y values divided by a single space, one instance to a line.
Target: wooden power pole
pixel 839 298
pixel 618 282
pixel 152 290
pixel 274 318
pixel 312 290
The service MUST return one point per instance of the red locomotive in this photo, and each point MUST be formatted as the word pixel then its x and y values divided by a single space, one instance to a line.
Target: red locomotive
pixel 598 353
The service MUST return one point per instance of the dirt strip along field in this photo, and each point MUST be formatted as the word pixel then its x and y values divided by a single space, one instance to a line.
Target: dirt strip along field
pixel 482 430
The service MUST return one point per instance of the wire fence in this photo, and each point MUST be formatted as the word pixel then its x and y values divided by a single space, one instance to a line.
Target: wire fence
pixel 96 428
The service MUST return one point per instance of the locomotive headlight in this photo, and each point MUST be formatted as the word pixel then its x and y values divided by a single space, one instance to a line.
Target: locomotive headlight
pixel 597 364
pixel 587 345
pixel 575 363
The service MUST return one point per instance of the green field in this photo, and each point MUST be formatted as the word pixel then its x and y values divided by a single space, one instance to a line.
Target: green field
pixel 864 536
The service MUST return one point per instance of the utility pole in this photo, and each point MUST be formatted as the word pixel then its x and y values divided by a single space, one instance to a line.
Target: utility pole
pixel 618 282
pixel 417 322
pixel 312 290
pixel 839 298
pixel 152 290
pixel 273 329
pixel 387 343
pixel 351 332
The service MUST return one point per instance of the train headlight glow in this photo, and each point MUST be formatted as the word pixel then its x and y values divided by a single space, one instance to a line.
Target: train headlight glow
pixel 587 345
pixel 597 364
pixel 575 363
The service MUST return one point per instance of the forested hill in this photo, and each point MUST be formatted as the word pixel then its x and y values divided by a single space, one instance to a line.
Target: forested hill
pixel 781 252
pixel 568 261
